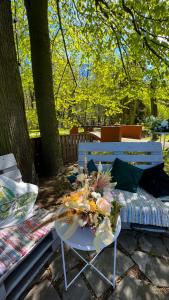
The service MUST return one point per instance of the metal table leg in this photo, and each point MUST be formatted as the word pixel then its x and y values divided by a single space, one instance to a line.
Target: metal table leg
pixel 88 263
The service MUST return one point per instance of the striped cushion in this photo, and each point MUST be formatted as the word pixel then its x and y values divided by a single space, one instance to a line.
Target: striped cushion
pixel 143 208
pixel 17 241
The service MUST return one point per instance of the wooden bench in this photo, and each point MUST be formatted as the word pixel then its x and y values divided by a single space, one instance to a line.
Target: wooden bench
pixel 142 155
pixel 20 276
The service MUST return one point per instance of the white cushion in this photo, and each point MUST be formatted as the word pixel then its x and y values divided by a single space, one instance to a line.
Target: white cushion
pixel 142 208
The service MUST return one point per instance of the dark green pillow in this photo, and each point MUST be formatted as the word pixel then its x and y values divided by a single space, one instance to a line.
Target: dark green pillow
pixel 91 167
pixel 72 178
pixel 126 175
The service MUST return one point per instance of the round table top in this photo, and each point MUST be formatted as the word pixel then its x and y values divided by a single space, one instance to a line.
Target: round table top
pixel 83 238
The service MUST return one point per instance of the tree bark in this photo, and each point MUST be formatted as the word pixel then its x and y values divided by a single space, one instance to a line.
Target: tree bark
pixel 154 109
pixel 153 100
pixel 43 84
pixel 132 111
pixel 13 126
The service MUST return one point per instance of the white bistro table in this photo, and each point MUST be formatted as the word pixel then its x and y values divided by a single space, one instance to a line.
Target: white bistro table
pixel 82 239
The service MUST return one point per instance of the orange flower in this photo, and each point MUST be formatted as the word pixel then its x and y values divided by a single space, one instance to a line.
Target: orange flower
pixel 93 206
pixel 75 196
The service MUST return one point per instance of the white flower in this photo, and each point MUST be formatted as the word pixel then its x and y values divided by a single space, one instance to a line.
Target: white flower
pixel 107 195
pixel 96 195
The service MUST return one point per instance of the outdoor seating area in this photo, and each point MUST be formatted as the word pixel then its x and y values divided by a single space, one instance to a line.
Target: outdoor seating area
pixel 139 208
pixel 144 236
pixel 134 279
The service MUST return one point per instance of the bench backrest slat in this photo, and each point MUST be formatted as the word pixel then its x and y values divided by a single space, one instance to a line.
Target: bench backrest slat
pixel 8 167
pixel 142 154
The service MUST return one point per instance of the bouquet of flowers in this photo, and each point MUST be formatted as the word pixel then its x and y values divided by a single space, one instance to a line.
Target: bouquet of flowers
pixel 157 124
pixel 91 205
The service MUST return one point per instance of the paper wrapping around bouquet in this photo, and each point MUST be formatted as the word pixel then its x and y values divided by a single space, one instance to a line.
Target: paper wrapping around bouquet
pixel 83 237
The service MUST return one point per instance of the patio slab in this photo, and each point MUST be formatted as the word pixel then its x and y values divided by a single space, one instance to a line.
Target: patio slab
pixel 153 245
pixel 135 289
pixel 128 241
pixel 43 291
pixel 166 242
pixel 154 268
pixel 105 264
pixel 77 291
pixel 144 253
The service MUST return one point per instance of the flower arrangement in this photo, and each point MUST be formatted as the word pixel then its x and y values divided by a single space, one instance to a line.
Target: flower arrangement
pixel 91 205
pixel 157 124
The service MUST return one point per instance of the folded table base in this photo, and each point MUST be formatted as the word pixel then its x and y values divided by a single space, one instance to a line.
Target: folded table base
pixel 88 264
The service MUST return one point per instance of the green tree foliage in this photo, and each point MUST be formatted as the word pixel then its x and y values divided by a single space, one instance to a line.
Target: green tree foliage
pixel 105 56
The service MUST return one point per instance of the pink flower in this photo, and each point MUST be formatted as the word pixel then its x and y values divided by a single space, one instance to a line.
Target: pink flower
pixel 103 206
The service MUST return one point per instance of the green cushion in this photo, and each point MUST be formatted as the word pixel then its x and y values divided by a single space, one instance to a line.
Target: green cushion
pixel 126 175
pixel 72 178
pixel 91 167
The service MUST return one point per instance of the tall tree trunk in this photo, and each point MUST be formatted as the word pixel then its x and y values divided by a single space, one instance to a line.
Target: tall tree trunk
pixel 153 103
pixel 154 110
pixel 153 100
pixel 13 127
pixel 132 111
pixel 43 83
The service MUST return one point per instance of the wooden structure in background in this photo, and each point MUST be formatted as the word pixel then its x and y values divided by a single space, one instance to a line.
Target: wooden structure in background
pixel 131 131
pixel 74 130
pixel 111 134
pixel 114 133
pixel 69 144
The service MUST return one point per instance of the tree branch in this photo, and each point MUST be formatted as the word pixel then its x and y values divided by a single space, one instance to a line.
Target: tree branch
pixel 150 18
pixel 154 35
pixel 53 40
pixel 129 11
pixel 61 80
pixel 117 40
pixel 154 52
pixel 64 42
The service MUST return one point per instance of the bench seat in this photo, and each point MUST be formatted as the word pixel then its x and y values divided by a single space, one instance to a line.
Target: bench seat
pixel 138 208
pixel 24 251
pixel 143 208
pixel 21 250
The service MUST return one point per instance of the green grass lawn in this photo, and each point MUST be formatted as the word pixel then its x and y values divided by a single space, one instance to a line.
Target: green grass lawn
pixel 62 131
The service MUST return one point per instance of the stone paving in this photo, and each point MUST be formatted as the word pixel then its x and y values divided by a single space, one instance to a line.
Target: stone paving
pixel 142 272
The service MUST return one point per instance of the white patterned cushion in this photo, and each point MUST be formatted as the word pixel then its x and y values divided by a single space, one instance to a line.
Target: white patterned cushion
pixel 143 208
pixel 16 201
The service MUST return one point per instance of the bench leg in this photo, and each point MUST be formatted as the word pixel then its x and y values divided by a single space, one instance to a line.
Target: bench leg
pixel 2 292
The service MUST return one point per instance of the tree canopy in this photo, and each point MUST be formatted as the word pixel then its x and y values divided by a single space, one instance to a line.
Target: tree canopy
pixel 107 57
